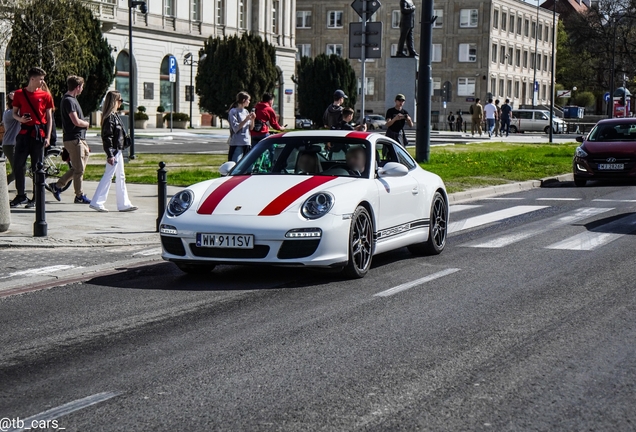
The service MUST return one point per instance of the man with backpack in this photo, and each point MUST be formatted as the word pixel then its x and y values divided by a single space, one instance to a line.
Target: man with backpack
pixel 333 114
pixel 265 118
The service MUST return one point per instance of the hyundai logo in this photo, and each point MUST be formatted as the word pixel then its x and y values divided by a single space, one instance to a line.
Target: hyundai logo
pixel 611 160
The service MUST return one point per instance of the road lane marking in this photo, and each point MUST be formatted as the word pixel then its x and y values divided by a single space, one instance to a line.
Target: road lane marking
pixel 420 281
pixel 491 217
pixel 66 409
pixel 504 199
pixel 599 236
pixel 456 208
pixel 559 199
pixel 614 200
pixel 40 271
pixel 149 252
pixel 536 228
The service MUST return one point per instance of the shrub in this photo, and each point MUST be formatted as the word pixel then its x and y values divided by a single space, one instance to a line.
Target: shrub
pixel 176 117
pixel 141 109
pixel 141 115
pixel 161 109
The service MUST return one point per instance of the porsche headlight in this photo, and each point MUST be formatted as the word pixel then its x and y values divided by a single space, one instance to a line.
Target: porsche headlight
pixel 180 203
pixel 317 205
pixel 580 152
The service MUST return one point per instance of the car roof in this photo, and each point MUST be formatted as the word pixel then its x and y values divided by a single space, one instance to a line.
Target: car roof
pixel 618 120
pixel 370 136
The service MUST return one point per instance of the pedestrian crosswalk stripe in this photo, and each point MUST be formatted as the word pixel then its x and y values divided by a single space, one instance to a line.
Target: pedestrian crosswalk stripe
pixel 536 228
pixel 491 217
pixel 614 200
pixel 598 236
pixel 504 199
pixel 456 208
pixel 559 199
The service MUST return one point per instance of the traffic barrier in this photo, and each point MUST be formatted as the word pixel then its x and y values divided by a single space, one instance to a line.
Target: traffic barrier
pixel 40 227
pixel 162 192
pixel 5 212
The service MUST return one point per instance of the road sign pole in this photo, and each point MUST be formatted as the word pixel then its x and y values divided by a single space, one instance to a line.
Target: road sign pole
pixel 423 134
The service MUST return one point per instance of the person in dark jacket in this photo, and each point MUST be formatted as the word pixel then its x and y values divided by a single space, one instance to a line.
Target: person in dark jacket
pixel 113 139
pixel 333 114
pixel 266 118
pixel 345 123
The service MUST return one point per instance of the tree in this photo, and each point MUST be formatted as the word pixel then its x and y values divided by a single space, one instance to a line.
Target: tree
pixel 42 35
pixel 233 64
pixel 318 78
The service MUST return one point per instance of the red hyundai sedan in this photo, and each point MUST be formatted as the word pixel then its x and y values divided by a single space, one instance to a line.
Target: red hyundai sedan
pixel 608 152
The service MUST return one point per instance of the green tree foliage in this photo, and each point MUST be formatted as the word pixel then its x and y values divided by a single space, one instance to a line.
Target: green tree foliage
pixel 318 78
pixel 44 35
pixel 583 99
pixel 233 64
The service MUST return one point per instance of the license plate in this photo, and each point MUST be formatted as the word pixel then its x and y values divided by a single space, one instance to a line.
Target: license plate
pixel 611 166
pixel 225 241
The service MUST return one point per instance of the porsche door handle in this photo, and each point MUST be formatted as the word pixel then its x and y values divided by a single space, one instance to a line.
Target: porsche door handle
pixel 415 190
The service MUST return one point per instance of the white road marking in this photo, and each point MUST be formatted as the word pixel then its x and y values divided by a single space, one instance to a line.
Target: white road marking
pixel 536 228
pixel 40 271
pixel 149 252
pixel 66 409
pixel 504 199
pixel 416 282
pixel 456 208
pixel 614 200
pixel 491 217
pixel 559 199
pixel 599 236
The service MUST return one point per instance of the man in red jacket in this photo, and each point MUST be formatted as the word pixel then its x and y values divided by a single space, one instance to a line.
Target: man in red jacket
pixel 265 119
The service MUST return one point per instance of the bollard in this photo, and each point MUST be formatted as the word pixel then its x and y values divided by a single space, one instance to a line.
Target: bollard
pixel 5 212
pixel 39 227
pixel 162 192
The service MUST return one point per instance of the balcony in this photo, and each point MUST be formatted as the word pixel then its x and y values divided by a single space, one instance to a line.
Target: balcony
pixel 103 10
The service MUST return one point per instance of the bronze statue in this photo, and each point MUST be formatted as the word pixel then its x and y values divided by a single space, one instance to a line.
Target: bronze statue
pixel 407 22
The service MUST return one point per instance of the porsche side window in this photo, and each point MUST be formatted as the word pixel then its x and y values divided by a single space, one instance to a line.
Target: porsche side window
pixel 384 153
pixel 404 158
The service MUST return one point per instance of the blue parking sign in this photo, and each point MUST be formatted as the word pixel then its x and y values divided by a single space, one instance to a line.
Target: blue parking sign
pixel 172 68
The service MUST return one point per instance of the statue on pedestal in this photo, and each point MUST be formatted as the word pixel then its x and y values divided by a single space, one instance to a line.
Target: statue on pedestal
pixel 407 22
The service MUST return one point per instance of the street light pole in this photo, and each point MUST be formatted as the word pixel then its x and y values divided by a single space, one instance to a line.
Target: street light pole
pixel 612 81
pixel 535 91
pixel 552 67
pixel 132 79
pixel 423 129
pixel 188 60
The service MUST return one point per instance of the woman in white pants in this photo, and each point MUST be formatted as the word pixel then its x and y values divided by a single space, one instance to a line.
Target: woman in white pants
pixel 113 139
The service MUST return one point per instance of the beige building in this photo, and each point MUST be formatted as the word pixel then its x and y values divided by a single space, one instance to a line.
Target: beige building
pixel 479 48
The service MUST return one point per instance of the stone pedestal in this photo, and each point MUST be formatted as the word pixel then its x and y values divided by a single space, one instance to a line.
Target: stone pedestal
pixel 5 212
pixel 401 77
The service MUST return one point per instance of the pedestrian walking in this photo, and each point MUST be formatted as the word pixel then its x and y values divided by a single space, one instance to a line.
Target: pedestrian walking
pixel 477 116
pixel 333 113
pixel 74 138
pixel 114 140
pixel 396 118
pixel 32 108
pixel 498 119
pixel 460 122
pixel 266 118
pixel 11 129
pixel 490 111
pixel 506 110
pixel 451 121
pixel 241 123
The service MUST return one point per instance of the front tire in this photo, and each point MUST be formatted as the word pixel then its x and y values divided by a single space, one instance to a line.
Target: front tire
pixel 360 244
pixel 437 230
pixel 196 269
pixel 579 182
pixel 513 129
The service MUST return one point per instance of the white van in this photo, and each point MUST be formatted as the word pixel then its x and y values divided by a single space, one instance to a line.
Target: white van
pixel 534 120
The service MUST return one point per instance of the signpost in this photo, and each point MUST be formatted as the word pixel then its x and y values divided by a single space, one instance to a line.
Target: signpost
pixel 606 97
pixel 562 94
pixel 172 70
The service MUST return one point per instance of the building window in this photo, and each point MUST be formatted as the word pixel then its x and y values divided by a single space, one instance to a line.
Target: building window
pixel 468 52
pixel 165 86
pixel 122 74
pixel 493 86
pixel 518 58
pixel 334 19
pixel 395 19
pixel 303 50
pixel 512 23
pixel 502 54
pixel 539 61
pixel 504 21
pixel 501 87
pixel 517 89
pixel 466 87
pixel 547 30
pixel 525 59
pixel 545 62
pixel 220 12
pixel 303 19
pixel 526 28
pixel 544 92
pixel 196 10
pixel 510 55
pixel 519 20
pixel 275 17
pixel 533 60
pixel 334 49
pixel 168 8
pixel 534 30
pixel 241 11
pixel 540 32
pixel 494 53
pixel 468 18
pixel 495 19
pixel 509 88
pixel 551 35
pixel 369 90
pixel 439 22
pixel 437 53
pixel 437 86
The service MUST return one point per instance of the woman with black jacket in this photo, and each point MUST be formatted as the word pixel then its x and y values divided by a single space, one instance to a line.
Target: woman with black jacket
pixel 113 139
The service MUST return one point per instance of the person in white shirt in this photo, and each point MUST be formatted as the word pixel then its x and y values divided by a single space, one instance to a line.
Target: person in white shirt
pixel 490 110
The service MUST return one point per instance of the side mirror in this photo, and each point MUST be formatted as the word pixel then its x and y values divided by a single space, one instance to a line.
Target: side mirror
pixel 226 168
pixel 393 169
pixel 580 139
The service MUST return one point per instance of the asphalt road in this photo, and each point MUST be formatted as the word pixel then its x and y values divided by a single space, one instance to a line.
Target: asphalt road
pixel 525 322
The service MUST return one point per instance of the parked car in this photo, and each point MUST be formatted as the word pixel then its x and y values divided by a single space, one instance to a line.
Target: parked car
pixel 609 151
pixel 529 120
pixel 330 199
pixel 303 123
pixel 375 121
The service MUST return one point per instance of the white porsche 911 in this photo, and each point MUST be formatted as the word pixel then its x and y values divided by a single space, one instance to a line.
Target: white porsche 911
pixel 329 199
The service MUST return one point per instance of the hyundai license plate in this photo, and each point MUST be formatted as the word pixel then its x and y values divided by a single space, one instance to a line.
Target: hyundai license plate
pixel 611 167
pixel 231 241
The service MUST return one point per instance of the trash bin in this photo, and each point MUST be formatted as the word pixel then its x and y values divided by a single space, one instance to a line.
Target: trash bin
pixel 573 112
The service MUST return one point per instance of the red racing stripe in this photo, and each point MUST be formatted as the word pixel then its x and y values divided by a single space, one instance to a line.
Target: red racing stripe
pixel 217 195
pixel 358 135
pixel 284 200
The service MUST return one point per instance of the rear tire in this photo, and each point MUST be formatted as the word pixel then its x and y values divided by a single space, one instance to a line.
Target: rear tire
pixel 196 269
pixel 579 182
pixel 360 245
pixel 513 129
pixel 437 229
pixel 547 130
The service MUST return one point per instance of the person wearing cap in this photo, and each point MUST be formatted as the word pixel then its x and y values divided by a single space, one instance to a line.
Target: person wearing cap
pixel 396 118
pixel 333 114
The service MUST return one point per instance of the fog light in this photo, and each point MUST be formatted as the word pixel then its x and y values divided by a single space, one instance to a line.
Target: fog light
pixel 580 168
pixel 304 233
pixel 168 229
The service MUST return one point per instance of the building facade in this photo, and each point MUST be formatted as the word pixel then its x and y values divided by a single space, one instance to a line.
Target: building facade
pixel 480 48
pixel 179 27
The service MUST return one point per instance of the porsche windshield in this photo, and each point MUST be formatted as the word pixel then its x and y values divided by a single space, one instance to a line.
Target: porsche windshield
pixel 329 156
pixel 613 132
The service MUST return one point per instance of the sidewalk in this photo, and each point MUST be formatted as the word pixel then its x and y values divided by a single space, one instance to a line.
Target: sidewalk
pixel 165 132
